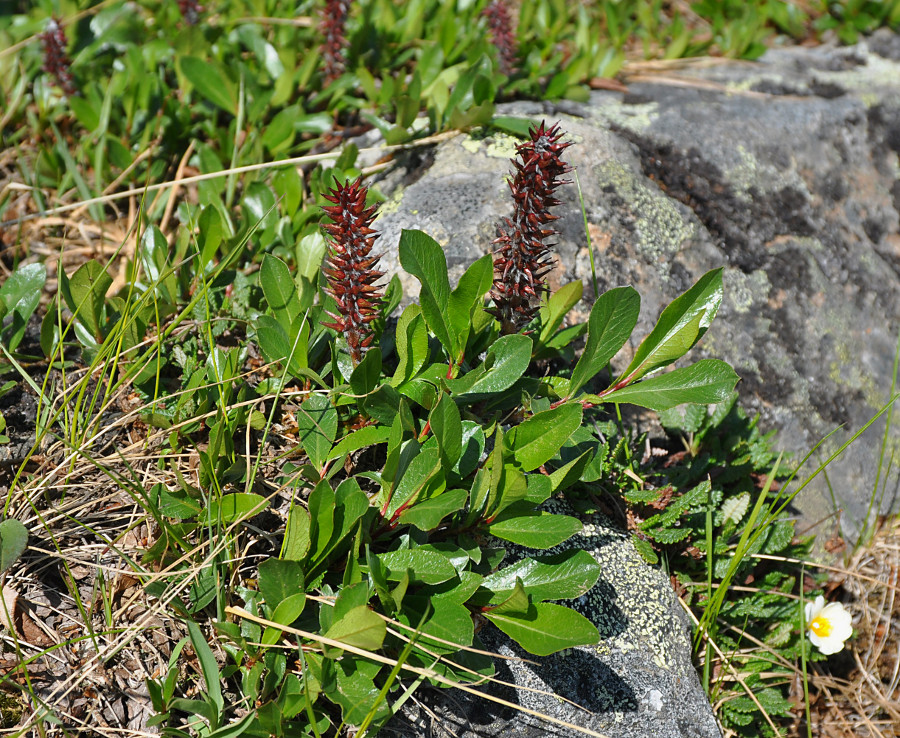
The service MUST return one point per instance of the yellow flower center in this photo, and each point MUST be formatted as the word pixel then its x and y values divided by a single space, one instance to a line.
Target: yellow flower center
pixel 821 626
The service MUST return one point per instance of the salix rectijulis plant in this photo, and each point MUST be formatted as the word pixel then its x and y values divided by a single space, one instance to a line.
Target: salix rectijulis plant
pixel 430 445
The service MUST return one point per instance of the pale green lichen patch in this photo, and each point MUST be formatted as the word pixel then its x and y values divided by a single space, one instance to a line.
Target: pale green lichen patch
pixel 743 291
pixel 498 146
pixel 643 605
pixel 392 204
pixel 748 174
pixel 634 118
pixel 661 229
pixel 847 371
pixel 875 73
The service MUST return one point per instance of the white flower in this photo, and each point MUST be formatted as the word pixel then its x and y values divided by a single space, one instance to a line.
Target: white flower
pixel 829 625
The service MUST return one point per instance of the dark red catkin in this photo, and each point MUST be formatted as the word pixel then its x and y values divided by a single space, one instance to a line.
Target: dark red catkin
pixel 56 60
pixel 350 266
pixel 523 256
pixel 190 11
pixel 334 16
pixel 502 35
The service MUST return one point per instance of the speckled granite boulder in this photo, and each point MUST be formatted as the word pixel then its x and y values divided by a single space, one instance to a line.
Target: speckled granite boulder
pixel 785 171
pixel 638 682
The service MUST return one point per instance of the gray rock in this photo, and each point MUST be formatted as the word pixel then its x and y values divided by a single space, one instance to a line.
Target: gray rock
pixel 783 171
pixel 638 682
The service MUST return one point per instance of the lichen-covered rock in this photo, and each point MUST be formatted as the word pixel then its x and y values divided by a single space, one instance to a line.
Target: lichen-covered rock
pixel 784 171
pixel 637 682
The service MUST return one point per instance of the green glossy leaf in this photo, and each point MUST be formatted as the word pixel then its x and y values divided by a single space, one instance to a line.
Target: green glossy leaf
pixel 365 375
pixel 362 438
pixel 472 445
pixel 423 471
pixel 356 692
pixel 537 440
pixel 279 580
pixel 285 613
pixel 447 620
pixel 234 507
pixel 423 257
pixel 277 347
pixel 514 601
pixel 613 318
pixel 333 516
pixel 446 425
pixel 280 291
pixel 534 529
pixel 296 534
pixel 13 539
pixel 428 567
pixel 428 514
pixel 546 628
pixel 707 382
pixel 540 487
pixel 316 427
pixel 310 252
pixel 359 627
pixel 567 475
pixel 469 295
pixel 559 304
pixel 19 297
pixel 85 294
pixel 562 576
pixel 506 361
pixel 411 345
pixel 210 81
pixel 679 327
pixel 321 505
pixel 384 404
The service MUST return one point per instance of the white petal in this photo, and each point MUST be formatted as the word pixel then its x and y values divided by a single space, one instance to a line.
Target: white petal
pixel 814 608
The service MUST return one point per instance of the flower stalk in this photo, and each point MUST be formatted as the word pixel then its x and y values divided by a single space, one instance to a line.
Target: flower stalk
pixel 190 11
pixel 350 266
pixel 56 59
pixel 502 36
pixel 334 18
pixel 523 256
